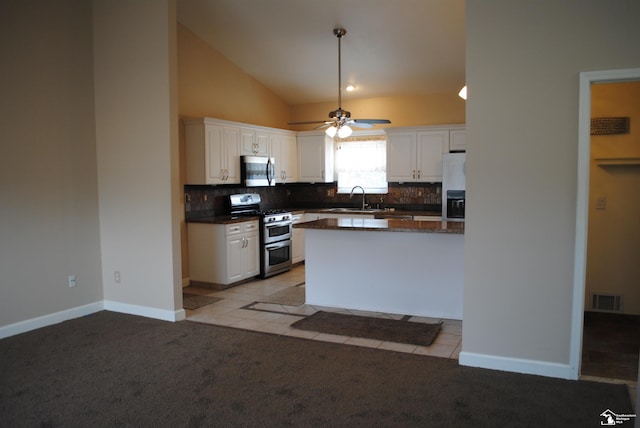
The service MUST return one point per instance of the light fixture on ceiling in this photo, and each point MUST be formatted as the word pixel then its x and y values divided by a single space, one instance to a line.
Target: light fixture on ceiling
pixel 463 92
pixel 342 130
pixel 350 88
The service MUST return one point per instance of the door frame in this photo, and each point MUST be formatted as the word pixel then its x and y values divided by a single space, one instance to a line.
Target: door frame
pixel 582 201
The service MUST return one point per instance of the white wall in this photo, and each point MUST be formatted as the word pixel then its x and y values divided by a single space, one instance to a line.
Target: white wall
pixel 523 62
pixel 48 189
pixel 137 147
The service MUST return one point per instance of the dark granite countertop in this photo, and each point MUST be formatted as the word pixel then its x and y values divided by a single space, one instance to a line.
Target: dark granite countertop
pixel 223 219
pixel 226 219
pixel 374 212
pixel 385 225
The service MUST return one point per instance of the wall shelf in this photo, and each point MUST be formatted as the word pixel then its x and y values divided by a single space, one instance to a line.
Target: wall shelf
pixel 617 161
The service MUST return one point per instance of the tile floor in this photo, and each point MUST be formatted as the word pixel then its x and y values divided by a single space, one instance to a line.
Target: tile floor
pixel 240 307
pixel 610 345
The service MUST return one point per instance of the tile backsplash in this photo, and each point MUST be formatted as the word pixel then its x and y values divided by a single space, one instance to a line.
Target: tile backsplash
pixel 208 201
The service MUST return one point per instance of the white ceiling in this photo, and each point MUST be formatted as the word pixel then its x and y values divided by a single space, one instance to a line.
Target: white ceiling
pixel 392 47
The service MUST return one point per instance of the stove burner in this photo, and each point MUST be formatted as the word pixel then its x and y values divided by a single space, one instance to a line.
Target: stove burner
pixel 261 213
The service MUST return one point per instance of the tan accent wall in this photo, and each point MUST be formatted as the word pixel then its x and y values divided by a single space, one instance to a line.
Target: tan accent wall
pixel 407 110
pixel 209 85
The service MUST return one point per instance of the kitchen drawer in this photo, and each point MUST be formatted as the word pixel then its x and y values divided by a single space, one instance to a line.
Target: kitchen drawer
pixel 235 228
pixel 427 218
pixel 250 226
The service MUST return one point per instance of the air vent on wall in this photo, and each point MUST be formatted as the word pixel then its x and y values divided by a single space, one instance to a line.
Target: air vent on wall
pixel 609 125
pixel 606 302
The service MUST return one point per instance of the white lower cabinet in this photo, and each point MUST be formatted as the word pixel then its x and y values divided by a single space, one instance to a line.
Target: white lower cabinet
pixel 223 253
pixel 297 239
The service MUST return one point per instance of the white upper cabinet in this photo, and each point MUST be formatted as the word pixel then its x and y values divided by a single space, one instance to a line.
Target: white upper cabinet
pixel 214 148
pixel 211 153
pixel 315 157
pixel 284 150
pixel 401 157
pixel 458 140
pixel 431 145
pixel 415 154
pixel 254 142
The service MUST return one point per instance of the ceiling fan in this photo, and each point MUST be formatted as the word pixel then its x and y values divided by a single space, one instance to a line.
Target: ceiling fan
pixel 340 121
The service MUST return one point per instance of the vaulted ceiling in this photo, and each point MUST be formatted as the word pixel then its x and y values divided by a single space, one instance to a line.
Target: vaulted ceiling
pixel 392 47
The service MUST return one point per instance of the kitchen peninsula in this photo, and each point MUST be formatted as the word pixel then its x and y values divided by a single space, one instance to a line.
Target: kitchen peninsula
pixel 394 266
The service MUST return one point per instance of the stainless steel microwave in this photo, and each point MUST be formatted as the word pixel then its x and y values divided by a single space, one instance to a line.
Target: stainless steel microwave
pixel 257 171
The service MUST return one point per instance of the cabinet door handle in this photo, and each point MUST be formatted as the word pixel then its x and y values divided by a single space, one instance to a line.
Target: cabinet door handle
pixel 418 174
pixel 413 174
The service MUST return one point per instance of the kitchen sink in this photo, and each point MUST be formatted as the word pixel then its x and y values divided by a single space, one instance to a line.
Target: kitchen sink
pixel 357 210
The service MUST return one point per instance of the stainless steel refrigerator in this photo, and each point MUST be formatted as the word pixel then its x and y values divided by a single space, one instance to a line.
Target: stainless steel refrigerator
pixel 453 186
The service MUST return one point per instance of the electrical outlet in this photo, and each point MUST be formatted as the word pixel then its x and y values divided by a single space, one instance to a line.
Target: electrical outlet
pixel 601 203
pixel 72 281
pixel 116 276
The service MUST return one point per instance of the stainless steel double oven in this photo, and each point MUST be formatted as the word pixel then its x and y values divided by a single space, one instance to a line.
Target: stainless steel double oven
pixel 276 230
pixel 276 247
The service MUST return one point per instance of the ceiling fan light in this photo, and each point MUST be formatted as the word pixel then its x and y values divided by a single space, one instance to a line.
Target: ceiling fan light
pixel 463 92
pixel 344 131
pixel 331 131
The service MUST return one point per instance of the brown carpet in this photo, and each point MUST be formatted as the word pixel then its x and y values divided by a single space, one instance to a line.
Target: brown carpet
pixel 195 301
pixel 387 330
pixel 117 370
pixel 291 296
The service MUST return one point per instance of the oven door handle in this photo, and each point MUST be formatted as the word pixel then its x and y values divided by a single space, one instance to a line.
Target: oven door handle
pixel 278 224
pixel 269 171
pixel 277 245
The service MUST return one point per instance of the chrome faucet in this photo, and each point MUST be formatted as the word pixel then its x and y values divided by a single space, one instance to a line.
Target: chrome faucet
pixel 363 195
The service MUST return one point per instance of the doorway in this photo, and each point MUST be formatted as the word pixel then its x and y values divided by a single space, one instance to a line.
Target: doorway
pixel 582 203
pixel 611 336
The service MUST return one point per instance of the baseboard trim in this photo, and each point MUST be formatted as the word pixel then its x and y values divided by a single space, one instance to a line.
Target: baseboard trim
pixel 50 319
pixel 518 365
pixel 81 311
pixel 145 311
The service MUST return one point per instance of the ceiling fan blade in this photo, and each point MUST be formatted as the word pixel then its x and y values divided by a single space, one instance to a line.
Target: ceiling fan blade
pixel 359 124
pixel 371 121
pixel 307 123
pixel 324 125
